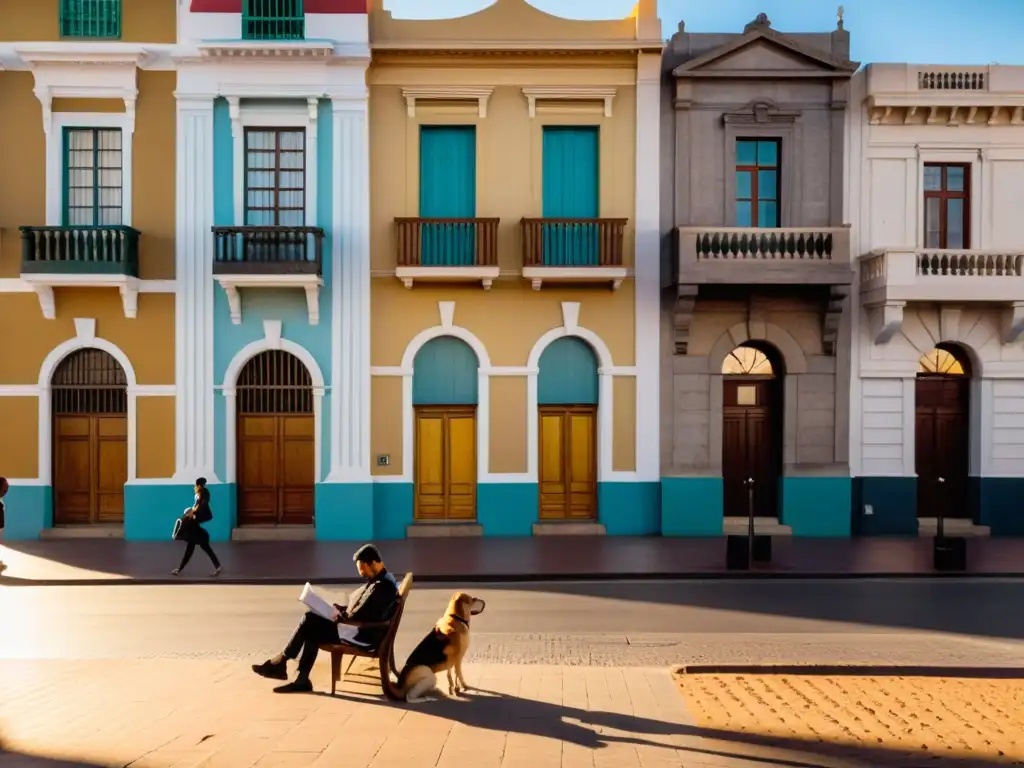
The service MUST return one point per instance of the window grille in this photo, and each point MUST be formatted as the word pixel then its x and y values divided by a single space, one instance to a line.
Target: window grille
pixel 273 20
pixel 274 382
pixel 90 18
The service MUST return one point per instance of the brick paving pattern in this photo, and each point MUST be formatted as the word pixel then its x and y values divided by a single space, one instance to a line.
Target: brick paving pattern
pixel 932 718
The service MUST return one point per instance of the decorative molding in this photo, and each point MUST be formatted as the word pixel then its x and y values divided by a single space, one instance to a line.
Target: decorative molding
pixel 43 285
pixel 409 275
pixel 886 320
pixel 447 93
pixel 570 315
pixel 761 112
pixel 292 50
pixel 1013 322
pixel 446 309
pixel 575 275
pixel 569 93
pixel 682 316
pixel 85 329
pixel 832 317
pixel 310 284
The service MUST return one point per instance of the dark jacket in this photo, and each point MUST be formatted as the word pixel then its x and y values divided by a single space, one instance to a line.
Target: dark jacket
pixel 192 530
pixel 374 601
pixel 1 514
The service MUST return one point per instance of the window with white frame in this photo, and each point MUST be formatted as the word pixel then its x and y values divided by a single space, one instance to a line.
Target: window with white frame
pixel 93 177
pixel 275 177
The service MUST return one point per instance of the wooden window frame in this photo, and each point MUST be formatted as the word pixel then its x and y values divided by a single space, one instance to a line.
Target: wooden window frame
pixel 754 199
pixel 72 23
pixel 277 189
pixel 96 168
pixel 944 195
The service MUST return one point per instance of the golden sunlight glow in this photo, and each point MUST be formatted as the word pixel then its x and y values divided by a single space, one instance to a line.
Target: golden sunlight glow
pixel 940 361
pixel 747 361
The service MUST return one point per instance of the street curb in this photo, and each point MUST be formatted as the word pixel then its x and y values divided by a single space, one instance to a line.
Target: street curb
pixel 851 670
pixel 519 578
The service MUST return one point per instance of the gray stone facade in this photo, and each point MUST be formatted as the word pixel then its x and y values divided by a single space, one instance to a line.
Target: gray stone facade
pixel 785 286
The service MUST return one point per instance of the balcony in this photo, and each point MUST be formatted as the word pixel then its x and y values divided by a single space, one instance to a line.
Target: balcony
pixel 269 257
pixel 83 257
pixel 447 250
pixel 574 251
pixel 892 277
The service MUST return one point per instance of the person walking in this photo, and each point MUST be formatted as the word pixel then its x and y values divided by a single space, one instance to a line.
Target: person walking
pixel 192 531
pixel 4 485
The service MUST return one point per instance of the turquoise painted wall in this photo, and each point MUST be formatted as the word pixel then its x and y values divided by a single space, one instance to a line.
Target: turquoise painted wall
pixel 568 373
pixel 150 511
pixel 1000 504
pixel 893 502
pixel 629 509
pixel 28 510
pixel 344 511
pixel 392 510
pixel 445 373
pixel 507 509
pixel 223 165
pixel 817 506
pixel 691 506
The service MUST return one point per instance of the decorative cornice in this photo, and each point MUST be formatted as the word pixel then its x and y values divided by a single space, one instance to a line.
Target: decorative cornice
pixel 760 112
pixel 833 314
pixel 447 93
pixel 298 50
pixel 82 54
pixel 686 298
pixel 569 93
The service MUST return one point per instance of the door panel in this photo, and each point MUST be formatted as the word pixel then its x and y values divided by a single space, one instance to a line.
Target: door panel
pixel 276 469
pixel 90 468
pixel 445 464
pixel 942 446
pixel 461 475
pixel 751 447
pixel 567 463
pixel 297 463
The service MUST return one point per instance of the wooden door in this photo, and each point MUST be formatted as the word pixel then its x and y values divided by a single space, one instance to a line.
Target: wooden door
pixel 90 468
pixel 445 463
pixel 275 469
pixel 942 440
pixel 568 462
pixel 750 446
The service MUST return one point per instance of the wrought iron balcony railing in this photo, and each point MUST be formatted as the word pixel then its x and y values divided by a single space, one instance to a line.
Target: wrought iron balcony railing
pixel 96 250
pixel 268 250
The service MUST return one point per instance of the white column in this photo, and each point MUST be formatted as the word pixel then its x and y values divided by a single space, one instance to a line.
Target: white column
pixel 350 295
pixel 648 267
pixel 193 308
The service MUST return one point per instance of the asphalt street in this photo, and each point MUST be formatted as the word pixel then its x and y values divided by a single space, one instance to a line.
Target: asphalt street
pixel 969 622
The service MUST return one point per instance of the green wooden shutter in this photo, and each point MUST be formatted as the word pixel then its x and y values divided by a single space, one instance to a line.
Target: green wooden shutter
pixel 273 20
pixel 571 190
pixel 448 191
pixel 445 373
pixel 568 373
pixel 90 18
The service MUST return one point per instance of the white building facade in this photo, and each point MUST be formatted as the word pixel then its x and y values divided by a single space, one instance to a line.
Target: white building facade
pixel 936 169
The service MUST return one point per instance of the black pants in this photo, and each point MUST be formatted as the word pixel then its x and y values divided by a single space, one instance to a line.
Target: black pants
pixel 313 630
pixel 204 544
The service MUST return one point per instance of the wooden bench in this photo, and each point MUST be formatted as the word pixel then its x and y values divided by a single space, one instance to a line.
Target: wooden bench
pixel 384 653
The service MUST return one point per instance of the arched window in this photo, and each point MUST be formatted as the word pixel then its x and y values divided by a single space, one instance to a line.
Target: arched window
pixel 275 381
pixel 89 381
pixel 747 361
pixel 942 361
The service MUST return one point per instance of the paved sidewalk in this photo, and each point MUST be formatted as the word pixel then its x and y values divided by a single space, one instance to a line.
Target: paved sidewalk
pixel 150 714
pixel 497 559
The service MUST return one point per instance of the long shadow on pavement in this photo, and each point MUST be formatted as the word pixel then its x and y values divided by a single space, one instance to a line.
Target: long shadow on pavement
pixel 594 730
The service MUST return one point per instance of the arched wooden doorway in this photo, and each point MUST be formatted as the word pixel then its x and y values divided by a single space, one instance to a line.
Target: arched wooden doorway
pixel 567 400
pixel 89 403
pixel 276 441
pixel 444 396
pixel 752 423
pixel 942 432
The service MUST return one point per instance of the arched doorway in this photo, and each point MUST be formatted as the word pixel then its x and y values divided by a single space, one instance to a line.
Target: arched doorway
pixel 276 441
pixel 752 423
pixel 89 403
pixel 567 400
pixel 942 432
pixel 444 397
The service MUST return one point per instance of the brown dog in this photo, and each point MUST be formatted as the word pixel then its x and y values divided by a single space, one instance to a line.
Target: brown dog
pixel 442 650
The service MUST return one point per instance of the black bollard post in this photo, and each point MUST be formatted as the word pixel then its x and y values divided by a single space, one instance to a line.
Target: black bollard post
pixel 949 553
pixel 750 520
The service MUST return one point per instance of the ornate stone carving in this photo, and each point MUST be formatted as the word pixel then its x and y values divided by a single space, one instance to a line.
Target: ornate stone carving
pixel 686 297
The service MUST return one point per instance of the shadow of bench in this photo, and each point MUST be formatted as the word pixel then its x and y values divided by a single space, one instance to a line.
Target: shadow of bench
pixel 383 653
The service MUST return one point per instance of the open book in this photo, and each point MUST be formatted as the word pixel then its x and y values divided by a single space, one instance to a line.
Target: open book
pixel 317 604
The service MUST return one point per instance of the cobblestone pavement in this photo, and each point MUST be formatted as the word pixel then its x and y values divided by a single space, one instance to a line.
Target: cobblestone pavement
pixel 919 720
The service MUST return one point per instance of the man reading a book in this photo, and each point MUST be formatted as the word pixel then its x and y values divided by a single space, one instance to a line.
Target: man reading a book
pixel 373 602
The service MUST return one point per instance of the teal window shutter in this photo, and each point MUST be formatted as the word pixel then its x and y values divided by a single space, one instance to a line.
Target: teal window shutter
pixel 273 20
pixel 568 373
pixel 571 190
pixel 445 373
pixel 90 18
pixel 447 191
pixel 93 177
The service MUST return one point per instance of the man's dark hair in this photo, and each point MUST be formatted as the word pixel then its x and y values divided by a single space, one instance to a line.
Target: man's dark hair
pixel 367 554
pixel 201 481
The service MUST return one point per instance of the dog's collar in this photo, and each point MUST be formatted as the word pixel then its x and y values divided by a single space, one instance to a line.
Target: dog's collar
pixel 458 618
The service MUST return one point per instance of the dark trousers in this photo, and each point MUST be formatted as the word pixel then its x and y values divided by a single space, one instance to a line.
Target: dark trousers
pixel 204 544
pixel 313 630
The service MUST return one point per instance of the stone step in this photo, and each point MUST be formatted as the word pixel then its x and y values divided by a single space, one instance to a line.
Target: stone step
pixel 929 526
pixel 274 533
pixel 569 528
pixel 765 526
pixel 443 530
pixel 97 531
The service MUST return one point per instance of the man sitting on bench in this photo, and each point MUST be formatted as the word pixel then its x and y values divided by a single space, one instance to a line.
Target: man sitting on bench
pixel 373 602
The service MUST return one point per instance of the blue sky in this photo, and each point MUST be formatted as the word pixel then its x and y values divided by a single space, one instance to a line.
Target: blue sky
pixel 919 31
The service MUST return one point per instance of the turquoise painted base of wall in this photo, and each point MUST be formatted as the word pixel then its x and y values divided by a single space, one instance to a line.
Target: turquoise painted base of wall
pixel 392 510
pixel 629 509
pixel 691 506
pixel 344 511
pixel 893 502
pixel 150 511
pixel 507 509
pixel 999 504
pixel 817 506
pixel 28 511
